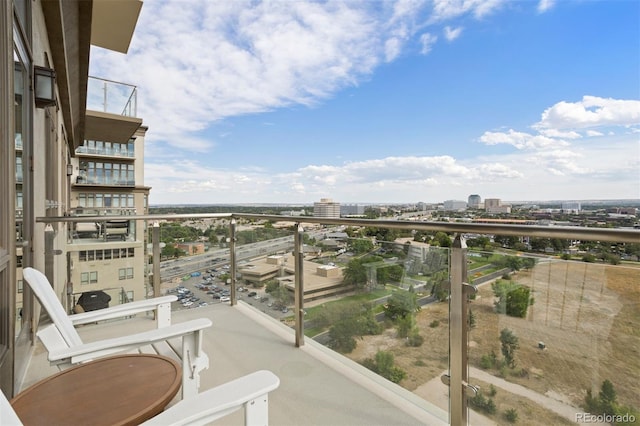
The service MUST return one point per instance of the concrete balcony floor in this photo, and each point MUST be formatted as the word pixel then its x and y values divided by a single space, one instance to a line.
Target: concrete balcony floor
pixel 317 386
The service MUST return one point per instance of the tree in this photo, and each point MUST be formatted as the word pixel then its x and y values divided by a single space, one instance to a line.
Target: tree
pixel 440 288
pixel 513 298
pixel 518 301
pixel 349 321
pixel 442 239
pixel 401 304
pixel 341 336
pixel 355 273
pixel 272 286
pixel 607 397
pixel 479 242
pixel 360 245
pixel 509 343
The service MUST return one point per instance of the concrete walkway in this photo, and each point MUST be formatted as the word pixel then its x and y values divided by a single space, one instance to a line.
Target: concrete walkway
pixel 565 410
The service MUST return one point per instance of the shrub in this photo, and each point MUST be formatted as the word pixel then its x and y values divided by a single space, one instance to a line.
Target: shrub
pixel 383 364
pixel 492 390
pixel 434 323
pixel 485 362
pixel 483 404
pixel 511 415
pixel 415 339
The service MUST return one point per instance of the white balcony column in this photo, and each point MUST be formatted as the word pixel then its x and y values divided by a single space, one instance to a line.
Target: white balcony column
pixel 299 292
pixel 232 260
pixel 457 334
pixel 155 237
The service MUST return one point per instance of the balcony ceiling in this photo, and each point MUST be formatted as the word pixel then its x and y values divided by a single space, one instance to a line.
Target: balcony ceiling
pixel 113 23
pixel 104 126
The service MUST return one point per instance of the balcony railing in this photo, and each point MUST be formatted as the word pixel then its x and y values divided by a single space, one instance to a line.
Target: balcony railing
pixel 515 336
pixel 112 97
pixel 110 152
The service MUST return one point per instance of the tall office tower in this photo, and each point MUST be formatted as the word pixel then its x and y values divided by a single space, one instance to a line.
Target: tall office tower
pixel 326 207
pixel 474 201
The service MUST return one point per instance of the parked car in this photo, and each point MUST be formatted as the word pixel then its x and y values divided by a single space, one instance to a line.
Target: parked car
pixel 252 294
pixel 225 299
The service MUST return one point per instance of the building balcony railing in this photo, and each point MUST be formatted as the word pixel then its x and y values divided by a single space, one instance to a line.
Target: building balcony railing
pixel 108 152
pixel 490 335
pixel 88 180
pixel 112 97
pixel 94 231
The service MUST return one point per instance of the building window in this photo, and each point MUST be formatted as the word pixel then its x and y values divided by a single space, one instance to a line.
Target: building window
pixel 89 278
pixel 19 286
pixel 125 273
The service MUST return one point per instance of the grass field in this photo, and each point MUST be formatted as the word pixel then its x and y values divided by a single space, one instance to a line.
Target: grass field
pixel 587 315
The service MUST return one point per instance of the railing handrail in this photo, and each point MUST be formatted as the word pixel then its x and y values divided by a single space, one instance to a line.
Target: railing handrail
pixel 563 232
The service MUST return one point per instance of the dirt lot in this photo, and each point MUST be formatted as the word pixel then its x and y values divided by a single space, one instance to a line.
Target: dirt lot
pixel 587 315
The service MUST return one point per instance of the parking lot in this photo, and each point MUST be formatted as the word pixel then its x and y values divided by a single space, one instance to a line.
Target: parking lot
pixel 205 290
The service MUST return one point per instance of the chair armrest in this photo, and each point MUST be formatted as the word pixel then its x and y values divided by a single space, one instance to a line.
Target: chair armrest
pixel 123 310
pixel 89 351
pixel 8 416
pixel 218 402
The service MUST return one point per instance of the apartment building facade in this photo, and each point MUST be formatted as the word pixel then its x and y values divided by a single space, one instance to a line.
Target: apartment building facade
pixel 110 256
pixel 44 67
pixel 326 207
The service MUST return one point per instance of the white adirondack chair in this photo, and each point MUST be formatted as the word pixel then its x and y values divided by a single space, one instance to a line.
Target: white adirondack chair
pixel 249 393
pixel 65 347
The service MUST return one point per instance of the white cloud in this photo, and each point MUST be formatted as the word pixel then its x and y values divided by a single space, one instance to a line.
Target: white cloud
pixel 520 140
pixel 545 5
pixel 452 33
pixel 427 41
pixel 555 133
pixel 592 111
pixel 224 59
pixel 447 9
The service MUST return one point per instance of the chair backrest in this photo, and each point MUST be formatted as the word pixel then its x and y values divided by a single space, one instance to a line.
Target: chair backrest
pixel 50 302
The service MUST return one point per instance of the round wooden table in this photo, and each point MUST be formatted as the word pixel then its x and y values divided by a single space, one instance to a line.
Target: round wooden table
pixel 118 390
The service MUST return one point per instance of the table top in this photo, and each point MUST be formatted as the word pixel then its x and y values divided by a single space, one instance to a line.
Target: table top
pixel 117 390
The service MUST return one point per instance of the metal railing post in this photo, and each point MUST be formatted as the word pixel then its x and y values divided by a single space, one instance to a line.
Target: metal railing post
pixel 155 239
pixel 457 334
pixel 232 260
pixel 49 236
pixel 299 292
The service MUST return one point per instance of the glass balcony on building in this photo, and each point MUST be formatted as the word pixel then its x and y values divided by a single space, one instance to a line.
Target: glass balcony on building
pixel 111 113
pixel 107 149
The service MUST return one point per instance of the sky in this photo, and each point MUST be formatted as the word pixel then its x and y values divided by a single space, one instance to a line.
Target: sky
pixel 385 101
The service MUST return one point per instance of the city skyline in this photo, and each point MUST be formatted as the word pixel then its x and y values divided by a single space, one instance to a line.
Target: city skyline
pixel 385 102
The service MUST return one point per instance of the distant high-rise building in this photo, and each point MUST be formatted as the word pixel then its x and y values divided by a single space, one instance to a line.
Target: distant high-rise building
pixel 571 207
pixel 352 210
pixel 326 207
pixel 455 205
pixel 474 201
pixel 494 205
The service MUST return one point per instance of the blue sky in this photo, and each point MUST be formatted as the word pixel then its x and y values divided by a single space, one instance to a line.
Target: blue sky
pixel 385 102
